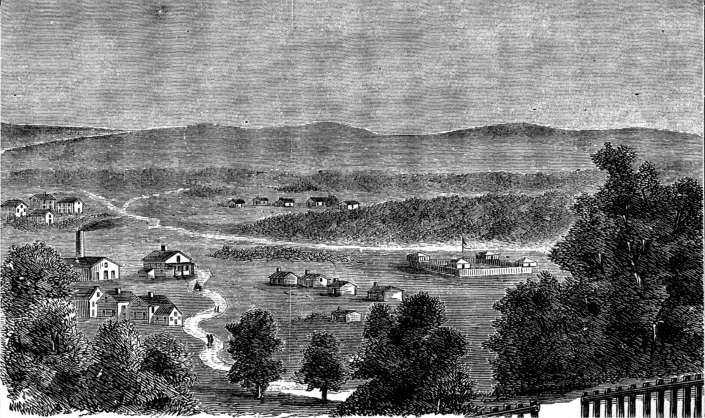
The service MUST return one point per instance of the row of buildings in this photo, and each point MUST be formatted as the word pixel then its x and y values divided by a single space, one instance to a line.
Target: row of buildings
pixel 95 302
pixel 158 264
pixel 334 286
pixel 287 202
pixel 42 208
pixel 483 263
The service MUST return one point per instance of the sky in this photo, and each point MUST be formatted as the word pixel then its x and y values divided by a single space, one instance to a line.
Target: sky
pixel 388 66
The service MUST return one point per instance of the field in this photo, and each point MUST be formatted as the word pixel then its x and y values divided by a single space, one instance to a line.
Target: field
pixel 244 284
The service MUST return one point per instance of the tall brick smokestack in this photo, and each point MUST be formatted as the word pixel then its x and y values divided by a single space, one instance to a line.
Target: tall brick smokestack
pixel 80 243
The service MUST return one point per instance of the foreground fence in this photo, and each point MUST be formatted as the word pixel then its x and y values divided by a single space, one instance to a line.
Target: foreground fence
pixel 530 410
pixel 675 398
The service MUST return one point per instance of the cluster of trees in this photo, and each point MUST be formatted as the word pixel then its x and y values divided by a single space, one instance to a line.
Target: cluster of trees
pixel 379 181
pixel 509 217
pixel 411 361
pixel 633 304
pixel 50 367
pixel 266 252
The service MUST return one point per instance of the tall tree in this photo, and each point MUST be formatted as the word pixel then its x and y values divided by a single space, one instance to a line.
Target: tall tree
pixel 31 273
pixel 254 341
pixel 412 367
pixel 633 306
pixel 45 358
pixel 322 366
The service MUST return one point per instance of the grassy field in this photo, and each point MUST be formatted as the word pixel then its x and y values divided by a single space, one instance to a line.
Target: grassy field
pixel 244 284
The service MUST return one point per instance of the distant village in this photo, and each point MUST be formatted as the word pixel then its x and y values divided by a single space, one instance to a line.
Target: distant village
pixel 329 201
pixel 43 208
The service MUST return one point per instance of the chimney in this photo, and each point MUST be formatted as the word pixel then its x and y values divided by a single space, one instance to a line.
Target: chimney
pixel 279 269
pixel 117 290
pixel 163 247
pixel 374 284
pixel 80 243
pixel 305 272
pixel 150 295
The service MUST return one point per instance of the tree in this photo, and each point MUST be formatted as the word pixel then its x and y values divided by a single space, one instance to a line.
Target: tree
pixel 412 364
pixel 32 273
pixel 322 367
pixel 45 358
pixel 633 304
pixel 254 341
pixel 167 358
pixel 545 339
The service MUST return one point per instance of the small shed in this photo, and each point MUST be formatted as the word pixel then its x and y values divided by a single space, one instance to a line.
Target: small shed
pixel 283 278
pixel 260 201
pixel 341 287
pixel 345 315
pixel 285 202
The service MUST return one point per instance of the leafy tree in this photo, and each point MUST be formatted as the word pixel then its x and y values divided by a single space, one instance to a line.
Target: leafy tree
pixel 254 341
pixel 633 306
pixel 413 366
pixel 379 321
pixel 45 358
pixel 546 339
pixel 125 376
pixel 31 273
pixel 167 358
pixel 322 366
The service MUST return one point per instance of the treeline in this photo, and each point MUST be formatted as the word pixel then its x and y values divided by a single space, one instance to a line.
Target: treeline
pixel 633 306
pixel 264 252
pixel 134 179
pixel 377 181
pixel 50 367
pixel 506 217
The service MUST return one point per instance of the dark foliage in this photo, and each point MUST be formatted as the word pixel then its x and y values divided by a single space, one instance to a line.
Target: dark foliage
pixel 32 273
pixel 254 341
pixel 494 182
pixel 264 252
pixel 68 223
pixel 634 305
pixel 322 367
pixel 412 364
pixel 516 218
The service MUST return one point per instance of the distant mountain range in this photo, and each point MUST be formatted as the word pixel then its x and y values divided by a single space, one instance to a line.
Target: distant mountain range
pixel 517 147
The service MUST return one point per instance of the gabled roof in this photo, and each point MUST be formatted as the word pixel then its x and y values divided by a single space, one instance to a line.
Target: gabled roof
pixel 43 196
pixel 123 296
pixel 340 283
pixel 286 200
pixel 165 306
pixel 165 310
pixel 241 201
pixel 318 199
pixel 525 259
pixel 340 311
pixel 378 288
pixel 70 199
pixel 311 275
pixel 281 274
pixel 459 260
pixel 351 202
pixel 261 198
pixel 83 292
pixel 85 262
pixel 12 203
pixel 40 212
pixel 159 255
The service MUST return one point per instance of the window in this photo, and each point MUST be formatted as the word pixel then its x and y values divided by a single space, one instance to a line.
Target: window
pixel 112 274
pixel 92 304
pixel 178 258
pixel 105 264
pixel 105 274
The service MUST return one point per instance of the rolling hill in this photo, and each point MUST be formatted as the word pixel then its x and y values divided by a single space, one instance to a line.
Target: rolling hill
pixel 13 136
pixel 305 149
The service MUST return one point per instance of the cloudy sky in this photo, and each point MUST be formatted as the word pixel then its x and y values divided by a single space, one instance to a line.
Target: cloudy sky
pixel 389 66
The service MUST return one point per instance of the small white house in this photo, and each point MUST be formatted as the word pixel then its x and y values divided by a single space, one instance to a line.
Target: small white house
pixel 42 216
pixel 527 262
pixel 350 205
pixel 346 315
pixel 14 208
pixel 460 263
pixel 69 206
